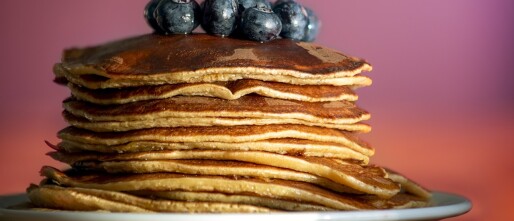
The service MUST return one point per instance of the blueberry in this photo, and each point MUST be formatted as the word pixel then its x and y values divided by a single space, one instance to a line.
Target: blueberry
pixel 313 26
pixel 294 19
pixel 261 24
pixel 243 6
pixel 278 2
pixel 178 16
pixel 220 16
pixel 246 4
pixel 149 15
pixel 263 4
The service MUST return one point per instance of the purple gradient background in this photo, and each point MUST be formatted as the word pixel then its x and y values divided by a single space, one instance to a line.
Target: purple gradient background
pixel 442 99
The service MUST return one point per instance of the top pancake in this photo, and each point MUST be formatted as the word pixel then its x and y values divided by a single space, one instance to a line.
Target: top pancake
pixel 156 59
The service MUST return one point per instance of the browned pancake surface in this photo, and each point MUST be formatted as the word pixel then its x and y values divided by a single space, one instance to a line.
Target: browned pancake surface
pixel 155 54
pixel 248 106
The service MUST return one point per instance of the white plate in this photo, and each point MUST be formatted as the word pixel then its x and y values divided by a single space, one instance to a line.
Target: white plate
pixel 444 205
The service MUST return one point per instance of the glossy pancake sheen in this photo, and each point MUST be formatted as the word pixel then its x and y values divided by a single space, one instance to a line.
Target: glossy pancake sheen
pixel 337 112
pixel 155 59
pixel 154 54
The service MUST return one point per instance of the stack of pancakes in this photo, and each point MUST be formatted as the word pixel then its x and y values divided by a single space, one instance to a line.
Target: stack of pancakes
pixel 198 123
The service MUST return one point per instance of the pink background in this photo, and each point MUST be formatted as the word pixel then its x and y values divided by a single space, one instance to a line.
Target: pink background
pixel 442 99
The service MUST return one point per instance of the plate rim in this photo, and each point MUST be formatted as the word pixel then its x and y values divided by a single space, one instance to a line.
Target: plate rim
pixel 446 205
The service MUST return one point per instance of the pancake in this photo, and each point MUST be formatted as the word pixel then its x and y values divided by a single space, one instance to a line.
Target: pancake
pixel 337 112
pixel 271 188
pixel 225 90
pixel 409 185
pixel 234 134
pixel 67 199
pixel 212 167
pixel 98 82
pixel 281 146
pixel 399 201
pixel 235 199
pixel 81 199
pixel 120 126
pixel 156 60
pixel 75 155
pixel 367 179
